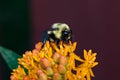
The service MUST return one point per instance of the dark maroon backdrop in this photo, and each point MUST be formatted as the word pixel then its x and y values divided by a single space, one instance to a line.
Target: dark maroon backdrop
pixel 95 25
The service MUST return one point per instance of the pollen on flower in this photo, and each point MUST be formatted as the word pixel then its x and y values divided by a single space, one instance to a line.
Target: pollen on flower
pixel 54 62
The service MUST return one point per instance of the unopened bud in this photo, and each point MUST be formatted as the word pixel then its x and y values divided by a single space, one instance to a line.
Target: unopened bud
pixel 63 60
pixel 38 45
pixel 56 57
pixel 45 63
pixel 42 76
pixel 61 69
pixel 49 71
pixel 26 78
pixel 57 76
pixel 35 51
pixel 13 77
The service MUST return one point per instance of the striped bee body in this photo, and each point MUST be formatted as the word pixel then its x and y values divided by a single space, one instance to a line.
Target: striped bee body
pixel 58 32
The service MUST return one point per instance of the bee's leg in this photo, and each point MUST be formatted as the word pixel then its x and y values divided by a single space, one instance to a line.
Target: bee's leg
pixel 45 38
pixel 57 41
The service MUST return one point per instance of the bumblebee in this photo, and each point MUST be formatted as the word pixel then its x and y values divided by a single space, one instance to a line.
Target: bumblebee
pixel 58 32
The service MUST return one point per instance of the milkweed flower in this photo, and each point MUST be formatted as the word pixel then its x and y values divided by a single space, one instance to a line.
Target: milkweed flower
pixel 54 62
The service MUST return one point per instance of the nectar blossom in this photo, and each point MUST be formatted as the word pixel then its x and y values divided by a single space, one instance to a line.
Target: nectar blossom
pixel 55 62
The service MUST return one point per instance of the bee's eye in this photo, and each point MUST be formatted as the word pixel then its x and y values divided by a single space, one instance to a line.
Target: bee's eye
pixel 66 35
pixel 65 32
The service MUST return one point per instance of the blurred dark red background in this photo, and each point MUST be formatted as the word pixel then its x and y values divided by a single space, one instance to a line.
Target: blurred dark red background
pixel 95 25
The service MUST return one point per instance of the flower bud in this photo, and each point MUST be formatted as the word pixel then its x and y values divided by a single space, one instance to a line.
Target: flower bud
pixel 49 71
pixel 45 63
pixel 63 60
pixel 61 69
pixel 12 77
pixel 26 78
pixel 57 76
pixel 35 51
pixel 41 75
pixel 56 57
pixel 38 45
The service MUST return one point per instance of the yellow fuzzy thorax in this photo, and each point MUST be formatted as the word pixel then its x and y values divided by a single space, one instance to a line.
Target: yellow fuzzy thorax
pixel 54 62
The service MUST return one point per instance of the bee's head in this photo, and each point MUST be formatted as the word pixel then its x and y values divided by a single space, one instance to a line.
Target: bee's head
pixel 61 31
pixel 66 35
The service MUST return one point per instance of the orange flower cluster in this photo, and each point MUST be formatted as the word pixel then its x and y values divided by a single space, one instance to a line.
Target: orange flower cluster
pixel 54 62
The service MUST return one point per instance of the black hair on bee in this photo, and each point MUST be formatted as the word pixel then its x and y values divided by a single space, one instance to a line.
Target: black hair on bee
pixel 58 32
